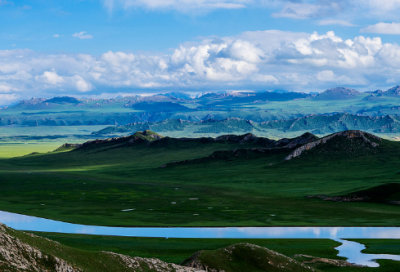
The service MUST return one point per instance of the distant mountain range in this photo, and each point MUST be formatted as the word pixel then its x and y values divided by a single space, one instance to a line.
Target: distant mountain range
pixel 317 124
pixel 281 106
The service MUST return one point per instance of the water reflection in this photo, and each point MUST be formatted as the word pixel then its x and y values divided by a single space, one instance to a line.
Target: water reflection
pixel 350 250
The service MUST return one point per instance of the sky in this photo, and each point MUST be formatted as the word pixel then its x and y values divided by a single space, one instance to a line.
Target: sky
pixel 105 48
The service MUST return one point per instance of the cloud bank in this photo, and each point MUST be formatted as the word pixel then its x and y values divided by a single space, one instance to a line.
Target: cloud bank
pixel 251 60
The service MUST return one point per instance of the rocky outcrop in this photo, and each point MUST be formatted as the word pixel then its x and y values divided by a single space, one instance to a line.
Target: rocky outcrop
pixel 347 134
pixel 338 263
pixel 145 136
pixel 19 256
pixel 341 198
pixel 16 255
pixel 68 146
pixel 152 264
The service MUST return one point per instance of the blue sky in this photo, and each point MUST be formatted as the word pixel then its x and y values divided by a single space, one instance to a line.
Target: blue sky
pixel 109 47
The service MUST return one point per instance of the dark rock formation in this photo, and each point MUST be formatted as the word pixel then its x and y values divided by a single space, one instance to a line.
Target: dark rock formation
pixel 347 134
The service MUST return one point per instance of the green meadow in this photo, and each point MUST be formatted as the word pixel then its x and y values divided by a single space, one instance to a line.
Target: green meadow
pixel 95 185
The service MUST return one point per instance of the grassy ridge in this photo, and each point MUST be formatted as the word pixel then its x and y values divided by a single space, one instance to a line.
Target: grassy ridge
pixel 177 250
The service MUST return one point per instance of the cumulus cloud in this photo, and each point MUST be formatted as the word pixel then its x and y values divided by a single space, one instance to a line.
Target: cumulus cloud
pixel 330 76
pixel 259 59
pixel 82 35
pixel 383 28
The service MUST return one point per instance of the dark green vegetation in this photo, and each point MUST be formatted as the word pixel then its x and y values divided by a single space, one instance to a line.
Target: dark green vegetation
pixel 386 194
pixel 380 246
pixel 231 181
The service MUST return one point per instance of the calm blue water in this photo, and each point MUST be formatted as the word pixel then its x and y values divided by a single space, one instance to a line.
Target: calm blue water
pixel 350 250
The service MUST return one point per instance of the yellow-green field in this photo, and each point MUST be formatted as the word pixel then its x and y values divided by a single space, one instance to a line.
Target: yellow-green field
pixel 10 150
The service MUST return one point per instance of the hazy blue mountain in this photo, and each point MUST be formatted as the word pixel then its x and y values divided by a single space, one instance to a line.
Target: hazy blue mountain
pixel 254 106
pixel 395 91
pixel 178 95
pixel 281 91
pixel 62 100
pixel 317 124
pixel 338 93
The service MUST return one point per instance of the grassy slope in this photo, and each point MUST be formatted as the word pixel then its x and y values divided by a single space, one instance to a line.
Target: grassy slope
pixel 89 261
pixel 93 186
pixel 177 250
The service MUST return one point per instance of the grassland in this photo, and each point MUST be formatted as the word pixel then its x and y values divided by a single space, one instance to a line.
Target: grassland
pixel 17 149
pixel 94 185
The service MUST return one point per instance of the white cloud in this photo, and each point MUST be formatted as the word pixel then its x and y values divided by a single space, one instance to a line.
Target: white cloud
pixel 181 5
pixel 383 28
pixel 5 89
pixel 6 99
pixel 298 61
pixel 80 84
pixel 330 76
pixel 335 22
pixel 265 78
pixel 391 81
pixel 314 9
pixel 82 35
pixel 50 78
pixel 56 35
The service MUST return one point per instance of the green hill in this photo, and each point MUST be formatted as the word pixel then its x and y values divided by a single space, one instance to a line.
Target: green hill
pixel 244 257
